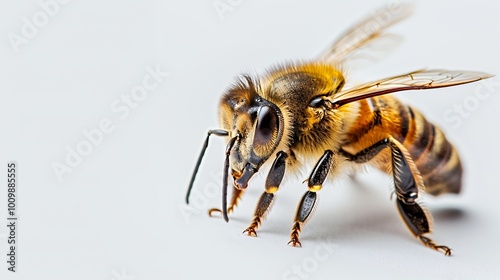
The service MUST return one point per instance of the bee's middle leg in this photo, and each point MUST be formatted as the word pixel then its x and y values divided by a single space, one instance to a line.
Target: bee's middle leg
pixel 310 198
pixel 318 176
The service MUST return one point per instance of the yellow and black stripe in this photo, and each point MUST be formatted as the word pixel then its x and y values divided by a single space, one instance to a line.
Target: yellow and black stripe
pixel 436 159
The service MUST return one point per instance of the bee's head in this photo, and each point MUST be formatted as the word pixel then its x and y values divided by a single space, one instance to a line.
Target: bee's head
pixel 258 125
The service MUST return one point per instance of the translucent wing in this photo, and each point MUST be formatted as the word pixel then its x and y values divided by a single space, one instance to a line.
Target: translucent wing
pixel 363 33
pixel 422 79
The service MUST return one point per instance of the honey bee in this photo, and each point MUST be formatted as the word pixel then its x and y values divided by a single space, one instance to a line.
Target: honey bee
pixel 301 112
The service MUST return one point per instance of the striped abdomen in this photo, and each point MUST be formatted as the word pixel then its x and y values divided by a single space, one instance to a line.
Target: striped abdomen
pixel 436 159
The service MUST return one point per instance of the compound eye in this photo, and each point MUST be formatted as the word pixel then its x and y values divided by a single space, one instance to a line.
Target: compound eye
pixel 267 122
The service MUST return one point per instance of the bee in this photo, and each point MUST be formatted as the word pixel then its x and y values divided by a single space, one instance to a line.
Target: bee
pixel 301 112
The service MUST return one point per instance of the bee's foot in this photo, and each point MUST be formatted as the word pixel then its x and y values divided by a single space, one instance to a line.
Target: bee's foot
pixel 214 210
pixel 250 231
pixel 429 243
pixel 294 242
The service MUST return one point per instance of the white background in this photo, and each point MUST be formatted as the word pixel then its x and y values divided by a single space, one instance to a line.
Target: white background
pixel 120 213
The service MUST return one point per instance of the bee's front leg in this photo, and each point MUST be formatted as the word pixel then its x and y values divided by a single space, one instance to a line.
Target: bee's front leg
pixel 310 198
pixel 237 193
pixel 273 181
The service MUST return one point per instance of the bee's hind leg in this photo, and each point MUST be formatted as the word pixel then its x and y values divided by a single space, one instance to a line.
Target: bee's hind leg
pixel 406 188
pixel 418 223
pixel 406 185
